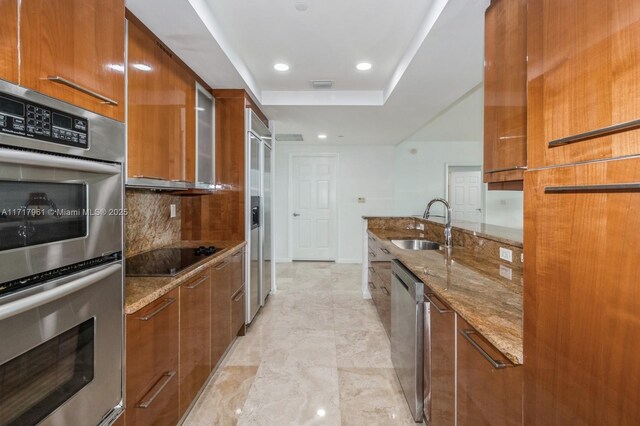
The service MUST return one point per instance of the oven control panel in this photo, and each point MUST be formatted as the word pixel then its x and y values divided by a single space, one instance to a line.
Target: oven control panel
pixel 28 119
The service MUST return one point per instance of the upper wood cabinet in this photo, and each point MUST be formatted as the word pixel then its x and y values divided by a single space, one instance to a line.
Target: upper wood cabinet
pixel 505 97
pixel 161 111
pixel 489 387
pixel 9 37
pixel 582 298
pixel 74 52
pixel 583 78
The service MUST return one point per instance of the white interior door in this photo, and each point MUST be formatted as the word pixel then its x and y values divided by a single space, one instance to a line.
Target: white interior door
pixel 465 195
pixel 313 207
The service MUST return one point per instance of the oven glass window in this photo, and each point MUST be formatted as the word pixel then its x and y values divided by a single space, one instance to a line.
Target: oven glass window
pixel 34 213
pixel 39 381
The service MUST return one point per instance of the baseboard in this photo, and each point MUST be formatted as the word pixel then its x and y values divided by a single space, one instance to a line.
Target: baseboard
pixel 283 260
pixel 359 261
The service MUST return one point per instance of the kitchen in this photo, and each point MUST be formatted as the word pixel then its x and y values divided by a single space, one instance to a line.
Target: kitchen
pixel 301 212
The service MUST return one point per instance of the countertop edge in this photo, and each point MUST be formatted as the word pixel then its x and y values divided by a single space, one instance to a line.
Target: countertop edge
pixel 175 282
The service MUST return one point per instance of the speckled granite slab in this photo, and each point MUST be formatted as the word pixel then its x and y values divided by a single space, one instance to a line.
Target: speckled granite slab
pixel 470 283
pixel 140 291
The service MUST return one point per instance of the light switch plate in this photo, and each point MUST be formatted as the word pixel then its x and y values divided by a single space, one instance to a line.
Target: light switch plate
pixel 362 200
pixel 506 272
pixel 506 254
pixel 420 226
pixel 172 211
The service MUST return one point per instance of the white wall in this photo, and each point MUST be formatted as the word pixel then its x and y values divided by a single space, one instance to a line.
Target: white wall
pixel 363 171
pixel 455 138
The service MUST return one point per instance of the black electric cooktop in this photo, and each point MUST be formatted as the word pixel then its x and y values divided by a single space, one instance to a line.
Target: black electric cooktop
pixel 166 262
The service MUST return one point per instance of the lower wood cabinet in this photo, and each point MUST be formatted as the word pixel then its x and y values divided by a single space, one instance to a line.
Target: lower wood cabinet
pixel 238 312
pixel 195 341
pixel 380 282
pixel 221 275
pixel 152 350
pixel 489 386
pixel 439 362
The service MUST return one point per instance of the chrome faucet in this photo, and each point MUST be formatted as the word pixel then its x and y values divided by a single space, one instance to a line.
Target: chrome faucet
pixel 447 227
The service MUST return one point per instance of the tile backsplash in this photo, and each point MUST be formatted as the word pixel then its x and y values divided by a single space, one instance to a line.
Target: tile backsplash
pixel 148 224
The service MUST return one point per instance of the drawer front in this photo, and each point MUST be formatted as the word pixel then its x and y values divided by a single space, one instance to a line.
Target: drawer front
pixel 152 344
pixel 237 271
pixel 238 311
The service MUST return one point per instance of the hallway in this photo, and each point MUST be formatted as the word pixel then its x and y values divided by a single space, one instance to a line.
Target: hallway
pixel 316 355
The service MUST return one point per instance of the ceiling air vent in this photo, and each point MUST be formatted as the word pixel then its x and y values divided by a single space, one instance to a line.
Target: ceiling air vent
pixel 322 84
pixel 289 137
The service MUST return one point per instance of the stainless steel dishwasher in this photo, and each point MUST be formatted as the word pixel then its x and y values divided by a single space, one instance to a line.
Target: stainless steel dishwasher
pixel 407 339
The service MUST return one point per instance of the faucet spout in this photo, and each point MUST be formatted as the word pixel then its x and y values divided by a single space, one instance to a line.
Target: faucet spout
pixel 447 228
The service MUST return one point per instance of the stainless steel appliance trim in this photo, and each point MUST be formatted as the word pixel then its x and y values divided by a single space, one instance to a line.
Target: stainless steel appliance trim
pixel 24 304
pixel 508 169
pixel 198 283
pixel 158 183
pixel 79 88
pixel 593 134
pixel 612 187
pixel 168 302
pixel 28 158
pixel 496 364
pixel 159 387
pixel 427 367
pixel 431 297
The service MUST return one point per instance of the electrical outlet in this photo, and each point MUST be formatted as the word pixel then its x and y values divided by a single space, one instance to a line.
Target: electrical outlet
pixel 172 211
pixel 521 257
pixel 362 200
pixel 506 254
pixel 420 227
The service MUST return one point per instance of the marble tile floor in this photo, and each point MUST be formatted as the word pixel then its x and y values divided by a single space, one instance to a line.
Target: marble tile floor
pixel 317 354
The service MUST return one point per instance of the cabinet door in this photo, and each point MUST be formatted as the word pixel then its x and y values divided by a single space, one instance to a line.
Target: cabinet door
pixel 584 76
pixel 238 312
pixel 582 299
pixel 9 37
pixel 237 271
pixel 440 363
pixel 220 310
pixel 195 341
pixel 81 43
pixel 152 336
pixel 505 111
pixel 489 387
pixel 161 111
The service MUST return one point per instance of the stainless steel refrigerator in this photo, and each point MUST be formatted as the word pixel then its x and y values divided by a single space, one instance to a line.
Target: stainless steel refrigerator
pixel 258 224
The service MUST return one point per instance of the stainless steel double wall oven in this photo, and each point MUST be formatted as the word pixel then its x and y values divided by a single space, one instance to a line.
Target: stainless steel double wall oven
pixel 61 274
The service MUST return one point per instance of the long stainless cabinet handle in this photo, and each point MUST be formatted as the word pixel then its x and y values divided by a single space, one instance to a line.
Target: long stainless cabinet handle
pixel 496 364
pixel 372 285
pixel 12 156
pixel 31 302
pixel 431 297
pixel 79 88
pixel 612 187
pixel 197 283
pixel 168 302
pixel 159 386
pixel 509 169
pixel 385 290
pixel 222 266
pixel 239 295
pixel 385 251
pixel 598 133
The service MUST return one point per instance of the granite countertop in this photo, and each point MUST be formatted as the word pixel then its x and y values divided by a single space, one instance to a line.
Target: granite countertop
pixel 140 291
pixel 470 285
pixel 512 236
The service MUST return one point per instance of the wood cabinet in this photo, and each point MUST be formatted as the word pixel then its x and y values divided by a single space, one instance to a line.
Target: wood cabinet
pixel 505 96
pixel 439 362
pixel 221 337
pixel 9 37
pixel 161 111
pixel 583 78
pixel 489 386
pixel 152 341
pixel 380 282
pixel 582 299
pixel 74 52
pixel 238 294
pixel 195 337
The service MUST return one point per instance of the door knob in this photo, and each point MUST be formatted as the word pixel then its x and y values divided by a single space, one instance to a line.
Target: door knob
pixel 296 214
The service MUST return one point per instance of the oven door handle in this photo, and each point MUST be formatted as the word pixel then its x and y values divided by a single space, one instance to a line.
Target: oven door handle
pixel 31 302
pixel 28 158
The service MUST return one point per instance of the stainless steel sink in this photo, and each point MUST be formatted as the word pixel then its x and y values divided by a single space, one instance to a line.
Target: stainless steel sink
pixel 416 244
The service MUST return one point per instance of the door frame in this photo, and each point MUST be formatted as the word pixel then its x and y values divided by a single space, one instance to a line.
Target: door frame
pixel 448 168
pixel 335 214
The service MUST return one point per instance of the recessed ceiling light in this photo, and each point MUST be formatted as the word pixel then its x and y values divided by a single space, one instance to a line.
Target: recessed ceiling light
pixel 364 66
pixel 322 136
pixel 281 67
pixel 142 67
pixel 301 6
